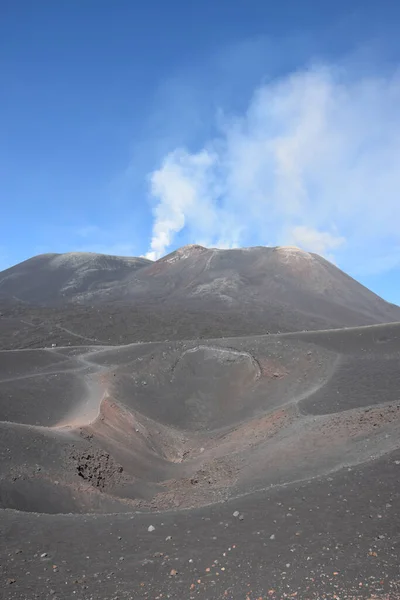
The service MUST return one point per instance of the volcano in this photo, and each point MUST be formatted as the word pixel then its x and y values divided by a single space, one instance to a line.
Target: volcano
pixel 214 424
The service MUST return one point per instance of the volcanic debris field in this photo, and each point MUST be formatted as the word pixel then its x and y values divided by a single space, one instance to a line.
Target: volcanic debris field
pixel 236 466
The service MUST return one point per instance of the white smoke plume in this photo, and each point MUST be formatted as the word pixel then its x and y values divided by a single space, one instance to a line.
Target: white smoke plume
pixel 314 161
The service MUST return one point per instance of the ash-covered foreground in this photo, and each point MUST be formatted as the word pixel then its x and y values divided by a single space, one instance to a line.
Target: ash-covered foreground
pixel 268 466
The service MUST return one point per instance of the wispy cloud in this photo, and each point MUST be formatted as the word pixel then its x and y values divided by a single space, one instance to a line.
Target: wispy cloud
pixel 314 161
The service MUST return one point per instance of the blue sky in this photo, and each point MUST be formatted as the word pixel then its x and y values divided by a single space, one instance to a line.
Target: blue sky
pixel 136 127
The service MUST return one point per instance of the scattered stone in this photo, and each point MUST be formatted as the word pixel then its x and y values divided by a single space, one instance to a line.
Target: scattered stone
pixel 173 572
pixel 168 538
pixel 236 513
pixel 11 581
pixel 151 528
pixel 272 537
pixel 241 517
pixel 43 555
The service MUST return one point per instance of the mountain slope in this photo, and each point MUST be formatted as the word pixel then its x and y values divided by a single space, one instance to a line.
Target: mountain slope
pixel 193 292
pixel 53 278
pixel 258 278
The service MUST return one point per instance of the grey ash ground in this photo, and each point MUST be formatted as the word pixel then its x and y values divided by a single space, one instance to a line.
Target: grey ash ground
pixel 258 466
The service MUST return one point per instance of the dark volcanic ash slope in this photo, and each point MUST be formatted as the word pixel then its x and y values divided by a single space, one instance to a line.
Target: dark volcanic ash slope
pixel 49 279
pixel 182 424
pixel 192 293
pixel 276 457
pixel 266 278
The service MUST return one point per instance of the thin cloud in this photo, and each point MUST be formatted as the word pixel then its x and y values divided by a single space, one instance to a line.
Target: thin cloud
pixel 313 161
